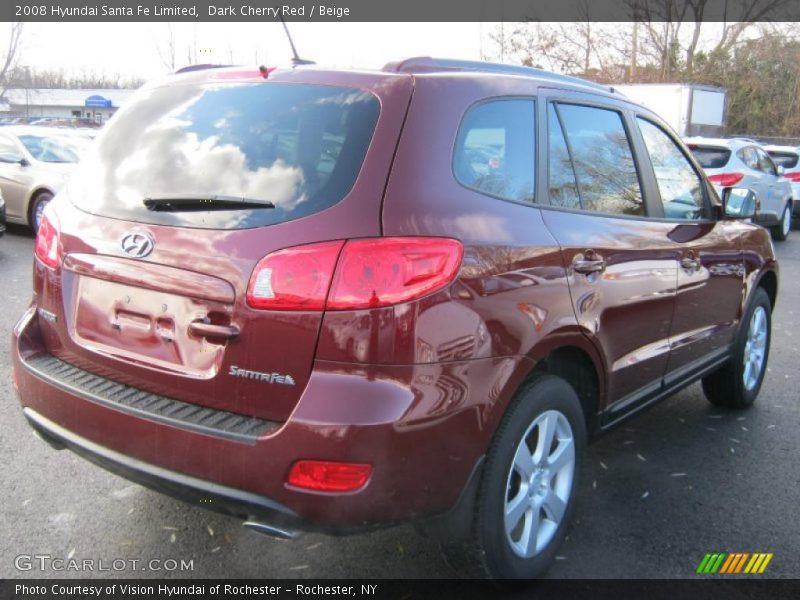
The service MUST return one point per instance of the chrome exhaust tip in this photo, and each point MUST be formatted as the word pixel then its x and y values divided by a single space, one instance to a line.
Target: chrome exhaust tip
pixel 270 530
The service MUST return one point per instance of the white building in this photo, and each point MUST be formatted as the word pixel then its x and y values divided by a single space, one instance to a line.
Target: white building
pixel 97 105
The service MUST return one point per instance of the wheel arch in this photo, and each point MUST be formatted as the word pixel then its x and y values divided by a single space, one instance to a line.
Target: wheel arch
pixel 39 189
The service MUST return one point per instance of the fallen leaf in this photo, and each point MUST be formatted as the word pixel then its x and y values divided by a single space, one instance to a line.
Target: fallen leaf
pixel 602 464
pixel 172 538
pixel 215 549
pixel 210 530
pixel 645 495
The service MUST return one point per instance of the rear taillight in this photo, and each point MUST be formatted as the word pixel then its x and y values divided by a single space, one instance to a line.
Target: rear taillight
pixel 726 179
pixel 794 176
pixel 48 242
pixel 369 273
pixel 326 476
pixel 294 279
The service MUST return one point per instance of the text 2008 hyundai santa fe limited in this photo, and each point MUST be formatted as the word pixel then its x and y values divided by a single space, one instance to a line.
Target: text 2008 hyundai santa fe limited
pixel 335 300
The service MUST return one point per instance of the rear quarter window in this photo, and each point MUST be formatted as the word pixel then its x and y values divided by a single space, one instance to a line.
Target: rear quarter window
pixel 495 149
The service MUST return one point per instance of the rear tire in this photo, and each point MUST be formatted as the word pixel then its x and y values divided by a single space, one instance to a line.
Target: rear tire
pixel 781 231
pixel 37 207
pixel 527 481
pixel 736 385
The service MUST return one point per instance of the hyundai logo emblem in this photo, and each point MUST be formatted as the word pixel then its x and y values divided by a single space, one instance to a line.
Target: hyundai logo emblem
pixel 138 244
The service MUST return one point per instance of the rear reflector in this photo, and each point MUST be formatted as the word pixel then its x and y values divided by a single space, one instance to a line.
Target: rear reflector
pixel 363 273
pixel 325 476
pixel 48 242
pixel 726 179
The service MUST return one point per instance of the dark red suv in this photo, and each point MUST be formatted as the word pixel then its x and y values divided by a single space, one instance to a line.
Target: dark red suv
pixel 336 300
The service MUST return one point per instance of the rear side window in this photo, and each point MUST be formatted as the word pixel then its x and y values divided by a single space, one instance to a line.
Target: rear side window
pixel 749 157
pixel 678 183
pixel 710 157
pixel 602 160
pixel 765 163
pixel 494 151
pixel 787 160
pixel 300 147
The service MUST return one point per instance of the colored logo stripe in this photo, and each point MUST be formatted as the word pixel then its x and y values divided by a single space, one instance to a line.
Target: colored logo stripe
pixel 735 562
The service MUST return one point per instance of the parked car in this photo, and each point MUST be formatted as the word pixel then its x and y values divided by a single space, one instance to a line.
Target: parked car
pixel 34 164
pixel 2 215
pixel 338 300
pixel 788 157
pixel 742 162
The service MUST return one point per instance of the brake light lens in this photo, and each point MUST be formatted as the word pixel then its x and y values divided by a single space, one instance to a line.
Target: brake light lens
pixel 726 179
pixel 326 476
pixel 356 274
pixel 294 279
pixel 794 176
pixel 385 271
pixel 48 240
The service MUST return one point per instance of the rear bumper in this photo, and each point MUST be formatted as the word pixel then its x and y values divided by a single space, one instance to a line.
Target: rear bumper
pixel 422 435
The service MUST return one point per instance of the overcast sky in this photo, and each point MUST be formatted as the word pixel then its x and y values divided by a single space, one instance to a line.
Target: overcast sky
pixel 133 48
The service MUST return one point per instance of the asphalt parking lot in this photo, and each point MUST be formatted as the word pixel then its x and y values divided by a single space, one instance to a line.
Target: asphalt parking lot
pixel 657 494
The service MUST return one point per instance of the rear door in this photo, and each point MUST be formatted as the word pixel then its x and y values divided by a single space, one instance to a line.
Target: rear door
pixel 14 178
pixel 710 269
pixel 157 298
pixel 775 187
pixel 622 266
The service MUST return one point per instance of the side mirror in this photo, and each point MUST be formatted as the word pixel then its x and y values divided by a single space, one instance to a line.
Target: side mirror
pixel 739 203
pixel 11 158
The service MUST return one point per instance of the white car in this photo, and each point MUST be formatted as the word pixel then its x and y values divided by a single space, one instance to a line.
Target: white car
pixel 740 162
pixel 788 157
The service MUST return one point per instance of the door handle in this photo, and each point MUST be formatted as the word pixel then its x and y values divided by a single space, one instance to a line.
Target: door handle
pixel 208 330
pixel 592 264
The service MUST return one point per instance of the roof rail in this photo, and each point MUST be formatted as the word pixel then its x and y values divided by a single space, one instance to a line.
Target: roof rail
pixel 202 67
pixel 426 64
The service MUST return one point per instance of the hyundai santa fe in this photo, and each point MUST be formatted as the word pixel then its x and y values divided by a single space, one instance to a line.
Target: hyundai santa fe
pixel 339 300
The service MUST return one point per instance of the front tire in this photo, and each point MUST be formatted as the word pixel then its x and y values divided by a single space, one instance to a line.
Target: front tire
pixel 781 231
pixel 526 496
pixel 736 385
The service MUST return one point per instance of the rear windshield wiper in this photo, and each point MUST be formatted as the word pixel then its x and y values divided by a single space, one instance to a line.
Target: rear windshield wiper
pixel 189 202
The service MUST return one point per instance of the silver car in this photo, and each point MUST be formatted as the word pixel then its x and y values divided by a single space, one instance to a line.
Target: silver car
pixel 788 157
pixel 741 162
pixel 35 162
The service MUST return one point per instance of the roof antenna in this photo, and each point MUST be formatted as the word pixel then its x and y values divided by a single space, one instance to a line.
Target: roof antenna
pixel 296 60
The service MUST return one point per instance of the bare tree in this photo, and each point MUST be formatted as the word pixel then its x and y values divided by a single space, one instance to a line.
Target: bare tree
pixel 9 61
pixel 166 51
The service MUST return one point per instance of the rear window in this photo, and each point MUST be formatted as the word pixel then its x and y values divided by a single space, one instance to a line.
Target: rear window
pixel 787 160
pixel 710 157
pixel 300 147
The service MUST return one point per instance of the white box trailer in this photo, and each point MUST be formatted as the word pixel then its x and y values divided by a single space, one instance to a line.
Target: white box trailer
pixel 689 109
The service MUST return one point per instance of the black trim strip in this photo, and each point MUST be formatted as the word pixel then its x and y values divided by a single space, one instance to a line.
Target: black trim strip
pixel 153 407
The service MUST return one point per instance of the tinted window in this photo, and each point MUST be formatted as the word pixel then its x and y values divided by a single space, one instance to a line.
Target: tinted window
pixel 787 160
pixel 494 151
pixel 601 155
pixel 710 157
pixel 563 189
pixel 679 184
pixel 765 162
pixel 748 156
pixel 298 146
